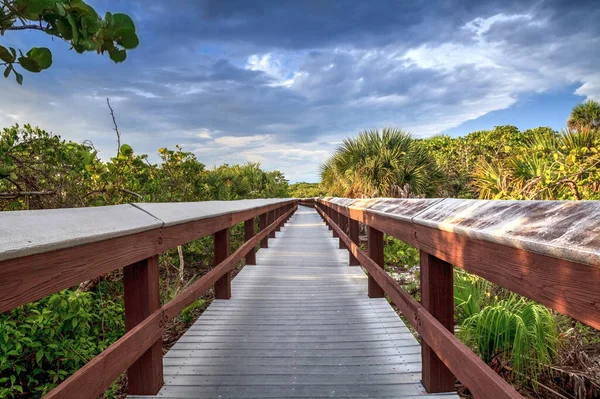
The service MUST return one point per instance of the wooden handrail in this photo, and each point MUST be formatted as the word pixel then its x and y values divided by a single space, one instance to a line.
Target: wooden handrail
pixel 97 375
pixel 417 222
pixel 30 271
pixel 35 263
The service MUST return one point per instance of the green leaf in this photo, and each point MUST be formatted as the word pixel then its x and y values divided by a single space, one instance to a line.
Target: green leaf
pixel 42 56
pixel 117 55
pixel 5 55
pixel 64 29
pixel 19 78
pixel 128 39
pixel 126 149
pixel 39 355
pixel 7 70
pixel 29 64
pixel 121 21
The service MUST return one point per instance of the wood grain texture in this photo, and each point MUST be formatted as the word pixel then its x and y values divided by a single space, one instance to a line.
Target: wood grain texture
pixel 271 221
pixel 24 280
pixel 569 288
pixel 476 375
pixel 572 289
pixel 277 337
pixel 343 223
pixel 142 298
pixel 248 234
pixel 222 248
pixel 375 247
pixel 99 373
pixel 437 297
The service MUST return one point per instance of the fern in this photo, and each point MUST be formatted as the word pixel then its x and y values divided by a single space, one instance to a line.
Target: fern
pixel 516 330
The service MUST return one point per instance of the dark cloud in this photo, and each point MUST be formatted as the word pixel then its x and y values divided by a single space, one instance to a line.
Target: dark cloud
pixel 280 81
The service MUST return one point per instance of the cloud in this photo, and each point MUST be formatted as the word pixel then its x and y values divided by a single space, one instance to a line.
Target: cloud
pixel 282 82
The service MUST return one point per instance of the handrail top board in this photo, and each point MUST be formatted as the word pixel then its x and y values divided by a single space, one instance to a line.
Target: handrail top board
pixel 567 230
pixel 174 213
pixel 24 233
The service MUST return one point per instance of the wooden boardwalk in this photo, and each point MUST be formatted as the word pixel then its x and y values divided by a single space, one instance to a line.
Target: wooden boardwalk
pixel 300 325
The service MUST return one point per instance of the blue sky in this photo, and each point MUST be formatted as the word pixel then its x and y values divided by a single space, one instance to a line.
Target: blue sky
pixel 283 82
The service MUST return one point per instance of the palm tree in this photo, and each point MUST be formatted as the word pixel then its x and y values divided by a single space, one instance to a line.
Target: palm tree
pixel 585 116
pixel 389 163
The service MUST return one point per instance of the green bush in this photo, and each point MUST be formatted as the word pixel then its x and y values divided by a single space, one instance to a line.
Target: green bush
pixel 44 342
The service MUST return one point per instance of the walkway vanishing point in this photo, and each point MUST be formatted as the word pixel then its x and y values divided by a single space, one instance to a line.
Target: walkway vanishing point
pixel 302 319
pixel 299 324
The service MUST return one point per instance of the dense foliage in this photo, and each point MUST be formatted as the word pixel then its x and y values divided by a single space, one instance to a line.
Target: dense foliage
pixel 389 163
pixel 73 21
pixel 44 342
pixel 305 190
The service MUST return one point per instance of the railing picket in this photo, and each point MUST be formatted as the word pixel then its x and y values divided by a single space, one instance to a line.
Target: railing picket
pixel 438 298
pixel 223 285
pixel 142 297
pixel 263 222
pixel 353 233
pixel 272 218
pixel 248 234
pixel 343 222
pixel 375 248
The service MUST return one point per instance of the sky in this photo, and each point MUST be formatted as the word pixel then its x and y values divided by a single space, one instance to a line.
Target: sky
pixel 283 82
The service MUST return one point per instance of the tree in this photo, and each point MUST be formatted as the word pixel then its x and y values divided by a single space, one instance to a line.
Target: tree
pixel 585 116
pixel 389 163
pixel 73 21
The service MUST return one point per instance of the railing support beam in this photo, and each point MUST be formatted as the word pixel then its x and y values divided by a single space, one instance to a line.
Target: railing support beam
pixel 263 222
pixel 437 297
pixel 272 218
pixel 223 285
pixel 353 234
pixel 375 243
pixel 142 297
pixel 343 222
pixel 248 234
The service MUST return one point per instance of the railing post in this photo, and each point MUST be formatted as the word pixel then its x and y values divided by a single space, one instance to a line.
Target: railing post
pixel 343 222
pixel 375 243
pixel 278 214
pixel 263 222
pixel 248 234
pixel 437 297
pixel 223 285
pixel 271 220
pixel 142 297
pixel 353 233
pixel 328 212
pixel 335 218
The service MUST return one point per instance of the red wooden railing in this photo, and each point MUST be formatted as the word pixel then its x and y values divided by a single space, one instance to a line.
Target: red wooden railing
pixel 548 251
pixel 63 257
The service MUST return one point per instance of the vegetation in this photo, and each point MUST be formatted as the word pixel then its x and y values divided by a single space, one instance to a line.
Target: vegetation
pixel 44 342
pixel 527 343
pixel 305 190
pixel 389 163
pixel 73 21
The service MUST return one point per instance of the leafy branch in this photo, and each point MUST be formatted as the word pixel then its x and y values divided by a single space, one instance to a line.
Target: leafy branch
pixel 73 21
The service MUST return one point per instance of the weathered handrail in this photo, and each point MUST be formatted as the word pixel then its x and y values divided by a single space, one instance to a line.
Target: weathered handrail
pixel 545 250
pixel 42 252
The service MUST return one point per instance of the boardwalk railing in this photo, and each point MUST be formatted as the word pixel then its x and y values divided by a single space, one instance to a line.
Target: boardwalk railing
pixel 548 251
pixel 43 252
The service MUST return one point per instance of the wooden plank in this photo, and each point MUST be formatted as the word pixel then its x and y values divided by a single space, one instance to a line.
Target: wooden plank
pixel 437 297
pixel 99 373
pixel 142 298
pixel 248 234
pixel 289 322
pixel 375 247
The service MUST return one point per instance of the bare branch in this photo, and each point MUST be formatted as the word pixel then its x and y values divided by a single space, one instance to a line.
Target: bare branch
pixel 132 193
pixel 26 194
pixel 25 27
pixel 116 128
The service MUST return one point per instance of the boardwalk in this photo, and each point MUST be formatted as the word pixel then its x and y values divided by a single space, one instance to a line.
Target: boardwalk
pixel 299 324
